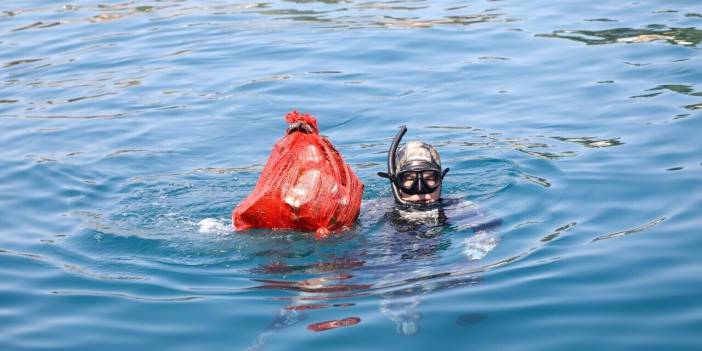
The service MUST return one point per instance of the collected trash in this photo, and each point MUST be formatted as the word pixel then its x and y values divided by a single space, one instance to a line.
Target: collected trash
pixel 305 185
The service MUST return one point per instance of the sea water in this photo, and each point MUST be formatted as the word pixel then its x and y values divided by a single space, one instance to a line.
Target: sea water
pixel 131 129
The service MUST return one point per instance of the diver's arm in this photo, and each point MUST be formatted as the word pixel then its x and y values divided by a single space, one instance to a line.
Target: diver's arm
pixel 465 214
pixel 488 226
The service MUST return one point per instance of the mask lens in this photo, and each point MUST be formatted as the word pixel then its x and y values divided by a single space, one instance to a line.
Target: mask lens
pixel 418 182
pixel 407 179
pixel 430 178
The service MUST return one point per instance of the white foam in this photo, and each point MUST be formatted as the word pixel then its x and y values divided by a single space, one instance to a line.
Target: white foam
pixel 213 226
pixel 479 245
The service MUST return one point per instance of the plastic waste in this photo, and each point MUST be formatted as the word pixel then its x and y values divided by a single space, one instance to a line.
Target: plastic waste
pixel 305 185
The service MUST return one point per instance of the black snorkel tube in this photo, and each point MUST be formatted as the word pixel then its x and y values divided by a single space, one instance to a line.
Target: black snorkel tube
pixel 390 175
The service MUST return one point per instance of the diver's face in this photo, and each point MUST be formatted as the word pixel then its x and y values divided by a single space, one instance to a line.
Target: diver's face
pixel 422 198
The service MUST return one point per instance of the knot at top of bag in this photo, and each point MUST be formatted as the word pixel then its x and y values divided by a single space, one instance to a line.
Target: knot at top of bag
pixel 299 122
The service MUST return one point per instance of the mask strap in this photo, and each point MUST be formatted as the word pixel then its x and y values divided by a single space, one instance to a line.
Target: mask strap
pixel 387 176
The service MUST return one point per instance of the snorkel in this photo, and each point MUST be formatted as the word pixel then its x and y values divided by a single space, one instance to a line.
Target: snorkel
pixel 391 166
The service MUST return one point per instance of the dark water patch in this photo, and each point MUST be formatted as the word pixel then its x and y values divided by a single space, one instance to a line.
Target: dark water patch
pixel 21 62
pixel 326 72
pixel 8 101
pixel 605 82
pixel 537 180
pixel 631 231
pixel 692 14
pixel 469 319
pixel 678 36
pixel 678 88
pixel 293 12
pixel 368 165
pixel 694 107
pixel 681 116
pixel 37 25
pixel 556 233
pixel 88 97
pixel 600 20
pixel 22 254
pixel 646 95
pixel 592 142
pixel 310 19
pixel 635 64
pixel 454 8
pixel 38 159
pixel 398 22
pixel 493 58
pixel 544 155
pixel 675 169
pixel 125 151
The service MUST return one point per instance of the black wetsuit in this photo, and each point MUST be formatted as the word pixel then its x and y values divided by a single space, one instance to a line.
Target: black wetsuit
pixel 431 220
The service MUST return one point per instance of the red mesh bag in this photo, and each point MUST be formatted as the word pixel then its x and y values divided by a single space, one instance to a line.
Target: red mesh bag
pixel 305 185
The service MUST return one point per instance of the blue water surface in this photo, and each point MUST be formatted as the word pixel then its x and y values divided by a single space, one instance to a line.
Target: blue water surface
pixel 131 129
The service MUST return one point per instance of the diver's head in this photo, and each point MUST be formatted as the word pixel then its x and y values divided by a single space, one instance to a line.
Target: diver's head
pixel 414 171
pixel 418 172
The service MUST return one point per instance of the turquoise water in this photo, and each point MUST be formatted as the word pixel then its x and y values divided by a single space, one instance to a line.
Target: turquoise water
pixel 130 130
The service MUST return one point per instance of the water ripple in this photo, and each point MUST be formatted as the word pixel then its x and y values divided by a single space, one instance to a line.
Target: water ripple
pixel 131 130
pixel 632 230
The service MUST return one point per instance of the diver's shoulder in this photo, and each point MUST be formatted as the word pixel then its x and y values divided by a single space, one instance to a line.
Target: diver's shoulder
pixel 456 202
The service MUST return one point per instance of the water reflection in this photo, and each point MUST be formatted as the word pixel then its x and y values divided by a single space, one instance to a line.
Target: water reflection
pixel 560 230
pixel 395 266
pixel 632 230
pixel 678 88
pixel 529 146
pixel 324 284
pixel 333 324
pixel 678 36
pixel 591 142
pixel 682 89
pixel 532 146
pixel 37 25
pixel 384 14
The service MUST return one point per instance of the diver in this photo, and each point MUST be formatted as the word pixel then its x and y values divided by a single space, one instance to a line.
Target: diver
pixel 416 178
pixel 417 218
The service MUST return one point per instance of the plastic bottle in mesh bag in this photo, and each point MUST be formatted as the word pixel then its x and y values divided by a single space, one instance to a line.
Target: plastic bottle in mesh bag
pixel 305 185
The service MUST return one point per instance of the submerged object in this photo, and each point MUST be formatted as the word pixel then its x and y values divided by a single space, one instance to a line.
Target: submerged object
pixel 333 324
pixel 305 185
